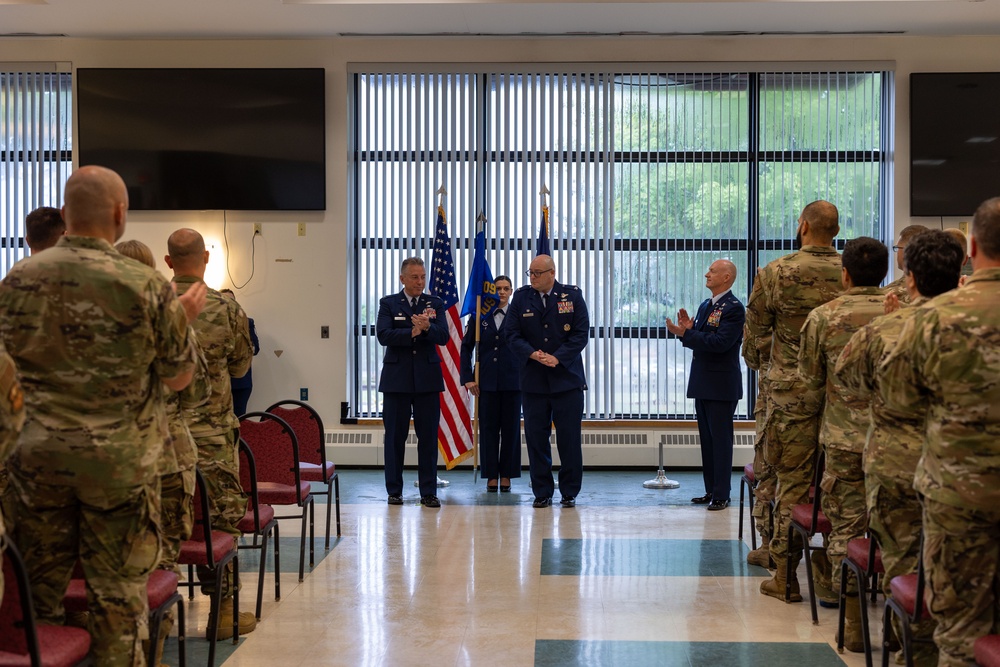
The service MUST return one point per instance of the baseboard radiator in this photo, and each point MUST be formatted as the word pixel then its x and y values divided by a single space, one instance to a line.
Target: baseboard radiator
pixel 601 447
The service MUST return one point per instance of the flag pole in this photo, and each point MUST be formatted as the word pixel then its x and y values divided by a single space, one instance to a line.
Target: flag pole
pixel 441 192
pixel 480 220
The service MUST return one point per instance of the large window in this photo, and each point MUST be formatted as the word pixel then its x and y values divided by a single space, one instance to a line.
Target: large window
pixel 652 176
pixel 35 156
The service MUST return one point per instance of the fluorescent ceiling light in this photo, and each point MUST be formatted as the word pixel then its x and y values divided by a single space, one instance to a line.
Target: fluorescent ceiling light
pixel 980 140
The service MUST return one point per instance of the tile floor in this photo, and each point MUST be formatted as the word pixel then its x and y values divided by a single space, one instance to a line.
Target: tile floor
pixel 631 575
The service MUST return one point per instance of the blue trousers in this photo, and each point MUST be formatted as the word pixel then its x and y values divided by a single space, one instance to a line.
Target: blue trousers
pixel 715 429
pixel 565 411
pixel 396 411
pixel 500 434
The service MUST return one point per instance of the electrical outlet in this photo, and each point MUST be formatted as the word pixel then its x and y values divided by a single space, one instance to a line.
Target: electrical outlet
pixel 324 332
pixel 303 394
pixel 257 229
pixel 302 229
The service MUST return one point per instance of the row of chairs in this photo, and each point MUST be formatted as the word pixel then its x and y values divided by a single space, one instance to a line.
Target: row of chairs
pixel 272 437
pixel 864 562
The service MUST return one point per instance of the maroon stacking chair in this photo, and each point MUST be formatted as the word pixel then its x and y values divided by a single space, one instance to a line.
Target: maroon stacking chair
pixel 161 592
pixel 808 520
pixel 276 453
pixel 909 604
pixel 864 560
pixel 988 651
pixel 259 521
pixel 22 640
pixel 313 466
pixel 748 482
pixel 214 550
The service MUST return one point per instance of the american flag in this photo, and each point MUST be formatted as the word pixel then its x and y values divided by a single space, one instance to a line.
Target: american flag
pixel 454 430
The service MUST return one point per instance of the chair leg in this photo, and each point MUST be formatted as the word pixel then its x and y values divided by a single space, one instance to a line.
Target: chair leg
pixel 236 599
pixel 842 611
pixel 192 582
pixel 862 594
pixel 181 635
pixel 329 511
pixel 277 562
pixel 154 635
pixel 260 573
pixel 743 484
pixel 213 615
pixel 753 529
pixel 886 630
pixel 336 488
pixel 312 532
pixel 302 544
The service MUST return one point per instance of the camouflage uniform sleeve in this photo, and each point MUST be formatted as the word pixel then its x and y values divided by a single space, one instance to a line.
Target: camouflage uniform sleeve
pixel 239 362
pixel 11 406
pixel 200 390
pixel 903 373
pixel 855 369
pixel 812 359
pixel 760 321
pixel 174 355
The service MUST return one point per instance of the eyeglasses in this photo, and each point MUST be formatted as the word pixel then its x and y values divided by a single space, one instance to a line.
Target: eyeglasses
pixel 535 274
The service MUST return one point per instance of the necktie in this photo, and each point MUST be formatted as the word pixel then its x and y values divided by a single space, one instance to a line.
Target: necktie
pixel 545 300
pixel 413 303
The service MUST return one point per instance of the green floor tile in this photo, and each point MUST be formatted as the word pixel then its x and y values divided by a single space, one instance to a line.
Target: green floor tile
pixel 651 558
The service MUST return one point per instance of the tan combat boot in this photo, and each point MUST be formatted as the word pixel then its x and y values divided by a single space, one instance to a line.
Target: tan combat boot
pixel 775 587
pixel 224 629
pixel 761 557
pixel 854 640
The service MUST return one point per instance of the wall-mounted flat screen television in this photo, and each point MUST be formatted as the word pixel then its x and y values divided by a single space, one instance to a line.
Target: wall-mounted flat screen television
pixel 954 142
pixel 207 139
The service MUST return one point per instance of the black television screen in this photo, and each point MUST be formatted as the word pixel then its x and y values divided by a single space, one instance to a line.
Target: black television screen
pixel 198 139
pixel 954 142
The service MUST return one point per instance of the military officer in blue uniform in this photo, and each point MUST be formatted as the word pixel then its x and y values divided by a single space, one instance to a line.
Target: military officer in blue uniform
pixel 499 392
pixel 411 325
pixel 716 381
pixel 547 328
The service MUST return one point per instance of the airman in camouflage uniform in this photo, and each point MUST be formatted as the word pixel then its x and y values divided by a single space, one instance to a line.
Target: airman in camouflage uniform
pixel 224 335
pixel 784 294
pixel 93 335
pixel 843 421
pixel 11 421
pixel 765 480
pixel 898 286
pixel 894 440
pixel 948 356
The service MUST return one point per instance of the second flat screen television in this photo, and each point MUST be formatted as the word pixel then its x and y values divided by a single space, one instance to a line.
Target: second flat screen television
pixel 207 139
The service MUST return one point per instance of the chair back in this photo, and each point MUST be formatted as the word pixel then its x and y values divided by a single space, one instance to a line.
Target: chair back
pixel 17 612
pixel 308 427
pixel 275 449
pixel 248 480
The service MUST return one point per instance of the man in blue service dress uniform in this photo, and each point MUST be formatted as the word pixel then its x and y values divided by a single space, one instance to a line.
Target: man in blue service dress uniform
pixel 716 381
pixel 411 325
pixel 547 328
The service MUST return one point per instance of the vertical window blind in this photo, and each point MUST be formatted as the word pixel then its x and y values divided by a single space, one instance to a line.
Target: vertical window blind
pixel 35 149
pixel 652 176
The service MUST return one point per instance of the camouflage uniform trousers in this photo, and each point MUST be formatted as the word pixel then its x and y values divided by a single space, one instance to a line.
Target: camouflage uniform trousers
pixel 218 461
pixel 843 503
pixel 961 561
pixel 114 533
pixel 176 514
pixel 790 445
pixel 895 518
pixel 764 490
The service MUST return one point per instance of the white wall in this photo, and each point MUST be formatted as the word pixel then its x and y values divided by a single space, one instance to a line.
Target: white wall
pixel 290 300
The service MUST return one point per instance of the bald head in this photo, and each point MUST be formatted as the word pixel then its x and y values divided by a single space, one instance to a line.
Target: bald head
pixel 822 223
pixel 186 253
pixel 720 276
pixel 95 203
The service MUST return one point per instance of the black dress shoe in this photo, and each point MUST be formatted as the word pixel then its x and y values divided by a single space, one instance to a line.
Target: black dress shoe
pixel 430 501
pixel 718 505
pixel 568 502
pixel 542 502
pixel 702 500
pixel 505 488
pixel 491 486
pixel 395 499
